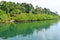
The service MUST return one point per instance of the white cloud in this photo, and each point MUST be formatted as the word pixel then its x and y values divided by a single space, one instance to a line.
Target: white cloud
pixel 0 0
pixel 51 4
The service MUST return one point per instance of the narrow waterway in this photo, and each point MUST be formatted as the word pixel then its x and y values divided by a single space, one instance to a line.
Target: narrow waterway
pixel 44 30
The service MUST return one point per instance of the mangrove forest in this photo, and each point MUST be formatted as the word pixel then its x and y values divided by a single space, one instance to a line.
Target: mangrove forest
pixel 24 12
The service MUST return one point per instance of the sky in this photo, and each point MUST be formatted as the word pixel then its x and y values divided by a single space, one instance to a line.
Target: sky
pixel 53 5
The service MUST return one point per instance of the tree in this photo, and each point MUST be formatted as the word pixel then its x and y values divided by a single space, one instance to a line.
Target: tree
pixel 28 7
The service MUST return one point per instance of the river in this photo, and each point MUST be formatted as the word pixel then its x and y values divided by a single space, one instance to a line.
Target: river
pixel 41 30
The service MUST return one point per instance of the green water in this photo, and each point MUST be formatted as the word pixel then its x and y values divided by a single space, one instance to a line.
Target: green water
pixel 38 30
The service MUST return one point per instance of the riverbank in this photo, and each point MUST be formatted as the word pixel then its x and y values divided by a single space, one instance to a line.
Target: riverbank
pixel 25 21
pixel 28 18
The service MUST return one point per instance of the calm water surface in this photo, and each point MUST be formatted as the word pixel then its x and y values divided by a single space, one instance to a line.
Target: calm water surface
pixel 43 30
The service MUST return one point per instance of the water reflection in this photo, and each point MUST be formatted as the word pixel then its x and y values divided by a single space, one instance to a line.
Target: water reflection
pixel 11 30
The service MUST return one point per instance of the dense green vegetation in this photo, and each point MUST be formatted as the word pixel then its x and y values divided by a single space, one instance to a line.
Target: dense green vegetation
pixel 9 30
pixel 24 12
